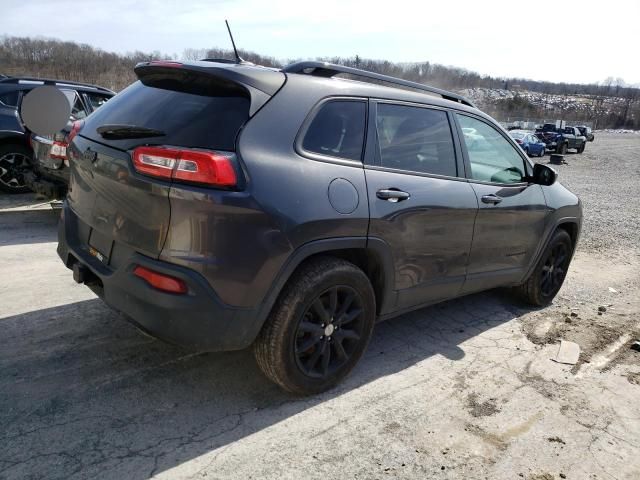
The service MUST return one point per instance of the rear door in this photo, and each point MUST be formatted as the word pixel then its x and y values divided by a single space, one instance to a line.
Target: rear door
pixel 511 212
pixel 420 203
pixel 119 204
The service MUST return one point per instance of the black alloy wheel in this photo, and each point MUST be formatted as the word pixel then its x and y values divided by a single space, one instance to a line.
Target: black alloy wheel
pixel 329 331
pixel 14 160
pixel 319 327
pixel 554 270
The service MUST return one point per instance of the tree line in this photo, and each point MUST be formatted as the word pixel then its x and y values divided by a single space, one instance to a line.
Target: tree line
pixel 83 63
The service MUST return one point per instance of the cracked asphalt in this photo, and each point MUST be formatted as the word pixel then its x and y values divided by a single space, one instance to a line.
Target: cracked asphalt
pixel 464 389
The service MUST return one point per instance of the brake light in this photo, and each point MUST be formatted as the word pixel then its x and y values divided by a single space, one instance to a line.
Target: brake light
pixel 75 129
pixel 518 141
pixel 193 166
pixel 160 281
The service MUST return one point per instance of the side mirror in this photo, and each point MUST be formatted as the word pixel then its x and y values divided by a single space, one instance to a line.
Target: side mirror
pixel 544 175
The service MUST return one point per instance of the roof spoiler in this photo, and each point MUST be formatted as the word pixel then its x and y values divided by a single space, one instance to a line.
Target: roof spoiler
pixel 258 82
pixel 324 69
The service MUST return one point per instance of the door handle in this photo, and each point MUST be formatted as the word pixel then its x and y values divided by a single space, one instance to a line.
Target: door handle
pixel 392 195
pixel 491 198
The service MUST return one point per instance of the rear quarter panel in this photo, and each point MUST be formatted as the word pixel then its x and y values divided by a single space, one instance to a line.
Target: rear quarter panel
pixel 240 241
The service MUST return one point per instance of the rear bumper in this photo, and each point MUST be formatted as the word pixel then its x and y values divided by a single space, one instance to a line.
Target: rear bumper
pixel 197 319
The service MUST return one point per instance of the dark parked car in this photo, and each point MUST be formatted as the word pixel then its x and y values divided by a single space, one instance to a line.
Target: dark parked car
pixel 561 139
pixel 50 173
pixel 16 154
pixel 223 205
pixel 586 131
pixel 531 144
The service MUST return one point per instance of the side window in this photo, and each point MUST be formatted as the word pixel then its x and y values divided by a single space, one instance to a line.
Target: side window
pixel 10 99
pixel 78 111
pixel 95 100
pixel 492 157
pixel 337 130
pixel 415 139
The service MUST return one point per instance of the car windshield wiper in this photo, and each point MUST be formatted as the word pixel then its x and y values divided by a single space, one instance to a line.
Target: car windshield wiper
pixel 118 132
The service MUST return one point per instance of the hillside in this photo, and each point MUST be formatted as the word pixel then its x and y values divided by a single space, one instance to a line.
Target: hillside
pixel 609 105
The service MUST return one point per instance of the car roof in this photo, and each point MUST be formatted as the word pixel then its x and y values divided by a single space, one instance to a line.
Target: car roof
pixel 28 83
pixel 269 80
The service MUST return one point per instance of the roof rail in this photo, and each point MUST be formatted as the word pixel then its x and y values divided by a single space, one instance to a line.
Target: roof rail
pixel 324 69
pixel 48 81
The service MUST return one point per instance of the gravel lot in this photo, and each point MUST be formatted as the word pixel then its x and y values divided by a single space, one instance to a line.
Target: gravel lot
pixel 465 389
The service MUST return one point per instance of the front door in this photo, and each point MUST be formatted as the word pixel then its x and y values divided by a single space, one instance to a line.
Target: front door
pixel 419 202
pixel 511 213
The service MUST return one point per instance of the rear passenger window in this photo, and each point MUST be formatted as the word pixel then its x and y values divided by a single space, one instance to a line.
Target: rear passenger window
pixel 10 99
pixel 415 139
pixel 337 130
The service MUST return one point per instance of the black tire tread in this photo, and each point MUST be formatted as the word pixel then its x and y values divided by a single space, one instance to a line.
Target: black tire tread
pixel 271 341
pixel 530 291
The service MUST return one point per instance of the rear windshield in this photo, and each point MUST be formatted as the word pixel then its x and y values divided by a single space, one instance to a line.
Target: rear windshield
pixel 517 136
pixel 187 119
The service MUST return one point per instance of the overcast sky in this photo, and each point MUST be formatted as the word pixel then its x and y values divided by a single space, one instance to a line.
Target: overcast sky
pixel 573 41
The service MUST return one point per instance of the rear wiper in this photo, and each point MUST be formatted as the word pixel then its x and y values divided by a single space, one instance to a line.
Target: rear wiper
pixel 118 132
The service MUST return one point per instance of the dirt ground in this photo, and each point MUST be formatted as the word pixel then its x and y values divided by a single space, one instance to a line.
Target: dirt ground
pixel 464 389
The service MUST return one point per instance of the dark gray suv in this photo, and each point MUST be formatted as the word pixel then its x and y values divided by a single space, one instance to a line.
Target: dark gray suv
pixel 222 205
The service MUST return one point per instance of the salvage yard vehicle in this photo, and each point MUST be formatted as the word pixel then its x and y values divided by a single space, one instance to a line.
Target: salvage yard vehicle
pixel 222 205
pixel 531 144
pixel 586 132
pixel 49 174
pixel 16 153
pixel 561 140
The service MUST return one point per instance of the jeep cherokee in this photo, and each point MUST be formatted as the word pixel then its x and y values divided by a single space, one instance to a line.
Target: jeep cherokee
pixel 223 205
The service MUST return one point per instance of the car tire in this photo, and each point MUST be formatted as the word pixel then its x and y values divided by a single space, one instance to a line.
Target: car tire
pixel 542 152
pixel 580 149
pixel 562 149
pixel 319 327
pixel 549 273
pixel 12 156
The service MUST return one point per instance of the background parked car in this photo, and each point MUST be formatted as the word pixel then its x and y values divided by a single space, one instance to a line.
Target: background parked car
pixel 586 131
pixel 531 144
pixel 49 175
pixel 16 154
pixel 561 139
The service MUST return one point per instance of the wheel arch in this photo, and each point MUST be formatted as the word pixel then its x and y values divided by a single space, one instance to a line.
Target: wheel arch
pixel 372 256
pixel 569 224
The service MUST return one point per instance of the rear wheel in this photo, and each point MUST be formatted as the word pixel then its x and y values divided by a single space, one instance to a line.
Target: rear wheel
pixel 14 159
pixel 319 327
pixel 549 274
pixel 542 152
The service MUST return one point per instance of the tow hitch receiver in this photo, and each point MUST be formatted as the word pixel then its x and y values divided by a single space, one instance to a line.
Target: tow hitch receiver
pixel 82 274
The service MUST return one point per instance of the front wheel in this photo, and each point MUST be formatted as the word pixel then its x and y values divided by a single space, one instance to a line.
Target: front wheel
pixel 549 274
pixel 542 152
pixel 562 149
pixel 319 328
pixel 581 148
pixel 14 159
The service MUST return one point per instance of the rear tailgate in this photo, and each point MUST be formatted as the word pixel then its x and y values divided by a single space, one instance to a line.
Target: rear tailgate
pixel 196 106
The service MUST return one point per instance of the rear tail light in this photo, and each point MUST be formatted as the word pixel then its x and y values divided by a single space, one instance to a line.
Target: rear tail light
pixel 518 141
pixel 160 281
pixel 192 166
